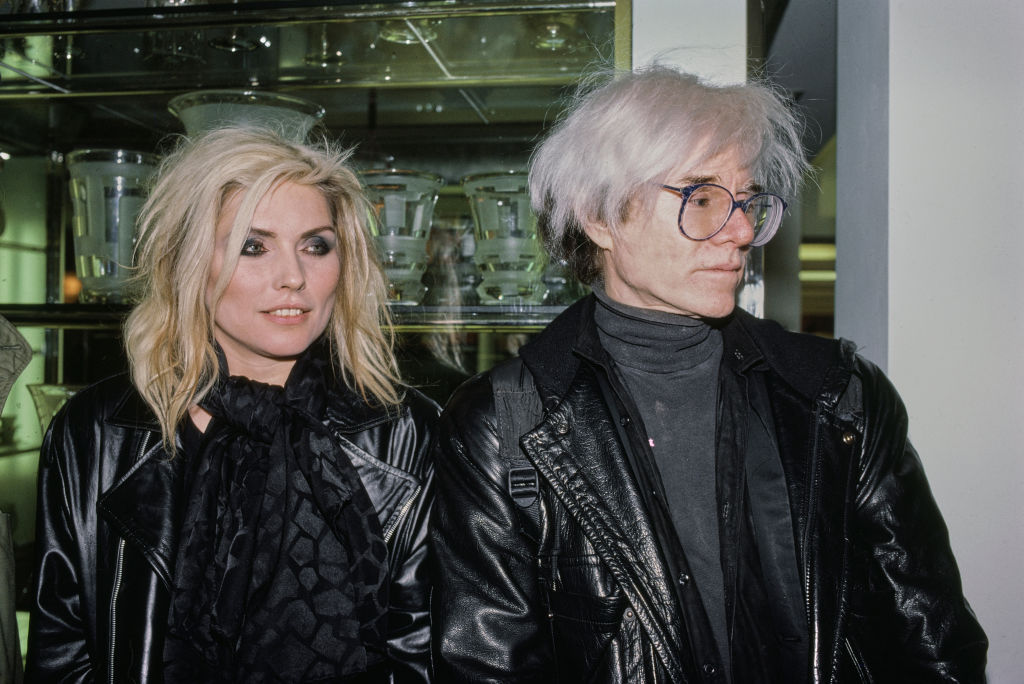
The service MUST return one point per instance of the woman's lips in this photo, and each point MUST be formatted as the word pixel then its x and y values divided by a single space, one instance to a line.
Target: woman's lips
pixel 286 312
pixel 287 315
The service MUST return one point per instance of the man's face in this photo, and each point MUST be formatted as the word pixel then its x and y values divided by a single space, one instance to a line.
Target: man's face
pixel 650 264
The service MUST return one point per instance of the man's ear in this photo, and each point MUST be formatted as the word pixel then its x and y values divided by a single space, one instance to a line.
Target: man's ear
pixel 598 233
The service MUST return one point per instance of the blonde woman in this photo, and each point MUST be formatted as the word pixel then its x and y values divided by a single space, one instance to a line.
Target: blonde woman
pixel 248 504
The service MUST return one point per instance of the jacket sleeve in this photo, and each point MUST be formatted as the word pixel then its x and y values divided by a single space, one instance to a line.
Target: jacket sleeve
pixel 59 648
pixel 409 596
pixel 489 621
pixel 911 622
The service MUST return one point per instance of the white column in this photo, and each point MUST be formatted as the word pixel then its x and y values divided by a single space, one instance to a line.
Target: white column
pixel 929 278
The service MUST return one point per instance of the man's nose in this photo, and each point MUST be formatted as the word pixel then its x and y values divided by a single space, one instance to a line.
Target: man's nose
pixel 738 229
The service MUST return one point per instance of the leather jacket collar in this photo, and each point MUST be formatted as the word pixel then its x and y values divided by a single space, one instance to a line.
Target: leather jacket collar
pixel 144 503
pixel 750 344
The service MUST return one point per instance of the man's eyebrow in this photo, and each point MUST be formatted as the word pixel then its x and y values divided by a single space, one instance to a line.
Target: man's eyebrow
pixel 750 187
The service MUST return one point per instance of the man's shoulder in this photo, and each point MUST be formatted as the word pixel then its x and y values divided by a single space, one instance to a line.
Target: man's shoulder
pixel 804 361
pixel 549 356
pixel 772 337
pixel 473 399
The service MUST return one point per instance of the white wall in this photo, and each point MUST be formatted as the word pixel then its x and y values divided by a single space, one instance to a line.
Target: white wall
pixel 939 259
pixel 705 38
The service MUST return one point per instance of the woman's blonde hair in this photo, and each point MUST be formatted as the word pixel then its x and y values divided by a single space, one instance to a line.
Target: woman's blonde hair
pixel 169 334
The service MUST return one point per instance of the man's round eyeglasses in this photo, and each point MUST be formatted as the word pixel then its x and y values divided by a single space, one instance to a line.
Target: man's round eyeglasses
pixel 707 207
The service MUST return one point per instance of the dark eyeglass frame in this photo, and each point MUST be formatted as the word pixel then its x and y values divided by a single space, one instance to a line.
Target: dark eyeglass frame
pixel 767 231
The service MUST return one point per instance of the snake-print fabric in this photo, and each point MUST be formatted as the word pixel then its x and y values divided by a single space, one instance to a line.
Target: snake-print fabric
pixel 282 567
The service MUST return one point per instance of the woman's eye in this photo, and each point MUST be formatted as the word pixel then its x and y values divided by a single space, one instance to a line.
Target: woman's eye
pixel 253 247
pixel 318 246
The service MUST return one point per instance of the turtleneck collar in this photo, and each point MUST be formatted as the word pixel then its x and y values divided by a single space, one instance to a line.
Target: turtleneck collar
pixel 649 340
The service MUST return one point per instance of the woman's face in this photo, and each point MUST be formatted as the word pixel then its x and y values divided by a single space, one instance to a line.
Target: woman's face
pixel 281 295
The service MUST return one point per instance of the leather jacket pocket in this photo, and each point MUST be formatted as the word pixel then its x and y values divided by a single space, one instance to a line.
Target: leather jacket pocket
pixel 599 613
pixel 586 610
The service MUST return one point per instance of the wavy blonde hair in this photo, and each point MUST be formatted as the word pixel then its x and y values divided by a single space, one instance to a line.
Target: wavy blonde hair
pixel 169 334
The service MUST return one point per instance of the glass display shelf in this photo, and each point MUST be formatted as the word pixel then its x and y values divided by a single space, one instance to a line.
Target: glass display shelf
pixel 370 65
pixel 479 77
pixel 454 88
pixel 490 318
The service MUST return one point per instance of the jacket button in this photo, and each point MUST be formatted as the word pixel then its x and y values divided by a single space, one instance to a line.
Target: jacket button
pixel 624 421
pixel 684 579
pixel 849 438
pixel 629 614
pixel 562 428
pixel 710 669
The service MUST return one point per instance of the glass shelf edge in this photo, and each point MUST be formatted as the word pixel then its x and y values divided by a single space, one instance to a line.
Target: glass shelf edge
pixel 495 318
pixel 133 19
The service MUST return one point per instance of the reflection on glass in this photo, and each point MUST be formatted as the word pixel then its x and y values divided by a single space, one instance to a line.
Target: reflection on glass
pixel 404 31
pixel 325 53
pixel 236 41
pixel 554 32
pixel 451 276
pixel 174 48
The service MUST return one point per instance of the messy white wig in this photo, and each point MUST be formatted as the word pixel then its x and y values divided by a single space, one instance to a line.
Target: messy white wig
pixel 624 134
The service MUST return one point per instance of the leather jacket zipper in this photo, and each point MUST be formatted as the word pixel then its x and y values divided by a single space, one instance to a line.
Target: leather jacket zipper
pixel 118 569
pixel 390 532
pixel 812 494
pixel 118 572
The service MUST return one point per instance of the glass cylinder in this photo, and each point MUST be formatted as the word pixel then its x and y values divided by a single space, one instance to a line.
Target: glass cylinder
pixel 404 203
pixel 508 253
pixel 108 189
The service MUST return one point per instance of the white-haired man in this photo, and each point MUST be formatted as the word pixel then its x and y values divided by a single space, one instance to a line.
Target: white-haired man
pixel 662 488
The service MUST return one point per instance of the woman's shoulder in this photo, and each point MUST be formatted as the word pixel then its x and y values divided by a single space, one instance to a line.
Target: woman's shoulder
pixel 80 433
pixel 100 400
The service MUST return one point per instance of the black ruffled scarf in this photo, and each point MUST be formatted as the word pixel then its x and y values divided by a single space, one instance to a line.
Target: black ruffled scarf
pixel 282 566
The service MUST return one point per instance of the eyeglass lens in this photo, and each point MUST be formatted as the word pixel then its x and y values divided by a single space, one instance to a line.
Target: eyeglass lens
pixel 709 207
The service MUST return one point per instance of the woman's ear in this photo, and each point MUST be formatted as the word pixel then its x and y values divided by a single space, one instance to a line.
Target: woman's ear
pixel 599 234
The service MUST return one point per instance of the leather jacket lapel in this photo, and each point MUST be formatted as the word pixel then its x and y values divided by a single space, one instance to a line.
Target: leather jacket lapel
pixel 577 451
pixel 143 505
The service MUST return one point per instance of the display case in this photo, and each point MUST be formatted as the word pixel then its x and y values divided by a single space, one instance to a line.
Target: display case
pixel 451 89
pixel 455 89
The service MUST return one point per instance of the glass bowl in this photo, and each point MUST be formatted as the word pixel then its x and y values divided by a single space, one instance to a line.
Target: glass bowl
pixel 48 400
pixel 205 110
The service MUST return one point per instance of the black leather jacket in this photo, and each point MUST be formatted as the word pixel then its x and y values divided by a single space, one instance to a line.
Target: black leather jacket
pixel 106 531
pixel 878 594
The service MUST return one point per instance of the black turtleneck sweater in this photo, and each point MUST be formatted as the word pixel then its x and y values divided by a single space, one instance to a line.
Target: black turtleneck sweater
pixel 669 363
